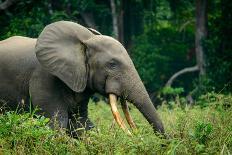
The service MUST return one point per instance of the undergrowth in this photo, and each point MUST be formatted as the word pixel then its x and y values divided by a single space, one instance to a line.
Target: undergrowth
pixel 189 130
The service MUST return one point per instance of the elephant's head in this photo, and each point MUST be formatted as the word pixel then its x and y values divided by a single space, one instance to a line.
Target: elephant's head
pixel 82 58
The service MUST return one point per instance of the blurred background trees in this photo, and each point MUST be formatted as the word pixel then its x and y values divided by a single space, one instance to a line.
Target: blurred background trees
pixel 160 35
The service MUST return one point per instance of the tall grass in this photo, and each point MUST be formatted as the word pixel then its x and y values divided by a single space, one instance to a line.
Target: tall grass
pixel 190 130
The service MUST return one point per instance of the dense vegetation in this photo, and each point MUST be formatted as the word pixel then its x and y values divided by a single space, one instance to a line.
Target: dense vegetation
pixel 190 130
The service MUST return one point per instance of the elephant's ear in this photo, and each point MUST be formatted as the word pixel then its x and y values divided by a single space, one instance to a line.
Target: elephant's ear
pixel 60 50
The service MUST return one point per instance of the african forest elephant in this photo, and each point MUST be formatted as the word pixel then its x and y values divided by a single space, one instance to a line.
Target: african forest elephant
pixel 59 71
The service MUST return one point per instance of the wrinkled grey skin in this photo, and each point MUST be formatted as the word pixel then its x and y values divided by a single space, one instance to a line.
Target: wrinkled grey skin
pixel 64 67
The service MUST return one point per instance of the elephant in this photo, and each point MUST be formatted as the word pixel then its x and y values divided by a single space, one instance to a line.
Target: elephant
pixel 61 69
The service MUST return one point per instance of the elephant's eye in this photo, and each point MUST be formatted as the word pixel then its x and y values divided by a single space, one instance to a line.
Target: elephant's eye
pixel 112 64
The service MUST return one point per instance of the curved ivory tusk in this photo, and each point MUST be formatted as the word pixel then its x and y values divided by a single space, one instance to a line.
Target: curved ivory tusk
pixel 117 117
pixel 127 115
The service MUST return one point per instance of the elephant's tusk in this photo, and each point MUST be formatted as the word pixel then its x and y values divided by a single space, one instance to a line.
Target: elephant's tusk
pixel 127 114
pixel 117 117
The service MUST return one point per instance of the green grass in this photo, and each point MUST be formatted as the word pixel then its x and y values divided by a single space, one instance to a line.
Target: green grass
pixel 201 129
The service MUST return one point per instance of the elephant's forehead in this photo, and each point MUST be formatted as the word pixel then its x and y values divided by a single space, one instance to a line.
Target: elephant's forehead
pixel 108 43
pixel 105 38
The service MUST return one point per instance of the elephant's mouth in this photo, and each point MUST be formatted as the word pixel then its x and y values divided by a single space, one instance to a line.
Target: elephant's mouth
pixel 117 117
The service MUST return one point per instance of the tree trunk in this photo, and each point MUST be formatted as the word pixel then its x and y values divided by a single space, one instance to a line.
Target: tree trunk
pixel 201 33
pixel 115 19
pixel 121 23
pixel 88 19
pixel 6 4
pixel 50 10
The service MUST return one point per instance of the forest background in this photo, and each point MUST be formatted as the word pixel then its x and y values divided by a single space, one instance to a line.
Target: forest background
pixel 163 37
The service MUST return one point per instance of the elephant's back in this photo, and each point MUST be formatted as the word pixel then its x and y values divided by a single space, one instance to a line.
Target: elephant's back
pixel 17 46
pixel 17 52
pixel 16 42
pixel 17 62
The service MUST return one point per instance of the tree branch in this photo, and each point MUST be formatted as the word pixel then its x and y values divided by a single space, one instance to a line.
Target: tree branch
pixel 183 71
pixel 6 4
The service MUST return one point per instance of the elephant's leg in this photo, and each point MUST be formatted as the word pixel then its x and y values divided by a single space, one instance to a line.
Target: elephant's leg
pixel 46 94
pixel 78 120
pixel 77 125
pixel 59 119
pixel 53 109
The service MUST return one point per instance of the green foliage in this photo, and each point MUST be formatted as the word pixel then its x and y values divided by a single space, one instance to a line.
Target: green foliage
pixel 219 65
pixel 189 130
pixel 29 134
pixel 171 96
pixel 159 34
pixel 172 91
pixel 160 52
pixel 214 99
pixel 218 45
pixel 164 46
pixel 28 18
pixel 202 132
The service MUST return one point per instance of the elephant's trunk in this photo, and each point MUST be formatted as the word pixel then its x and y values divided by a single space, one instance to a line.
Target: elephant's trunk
pixel 135 92
pixel 140 98
pixel 149 112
